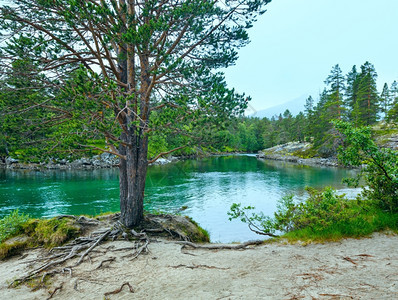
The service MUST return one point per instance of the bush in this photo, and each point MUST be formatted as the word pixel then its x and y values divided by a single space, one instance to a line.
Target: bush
pixel 12 224
pixel 323 216
pixel 321 210
pixel 381 165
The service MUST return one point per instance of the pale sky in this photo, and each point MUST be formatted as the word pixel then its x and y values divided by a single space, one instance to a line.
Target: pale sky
pixel 295 44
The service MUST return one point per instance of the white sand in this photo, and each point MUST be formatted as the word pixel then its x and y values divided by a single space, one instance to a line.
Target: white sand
pixel 351 269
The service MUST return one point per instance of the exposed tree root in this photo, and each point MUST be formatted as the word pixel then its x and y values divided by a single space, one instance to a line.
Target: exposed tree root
pixel 197 267
pixel 349 260
pixel 65 258
pixel 55 290
pixel 83 246
pixel 119 290
pixel 111 259
pixel 219 247
pixel 80 219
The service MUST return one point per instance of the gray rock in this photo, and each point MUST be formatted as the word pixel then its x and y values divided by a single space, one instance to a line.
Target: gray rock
pixel 10 161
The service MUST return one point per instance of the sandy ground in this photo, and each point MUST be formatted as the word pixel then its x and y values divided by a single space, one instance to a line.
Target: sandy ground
pixel 350 269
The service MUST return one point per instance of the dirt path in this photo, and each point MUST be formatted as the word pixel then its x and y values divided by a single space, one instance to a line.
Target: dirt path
pixel 351 269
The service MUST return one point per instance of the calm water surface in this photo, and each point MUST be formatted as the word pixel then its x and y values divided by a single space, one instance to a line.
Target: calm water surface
pixel 207 187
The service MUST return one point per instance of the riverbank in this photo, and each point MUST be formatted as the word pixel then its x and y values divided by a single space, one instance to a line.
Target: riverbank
pixel 349 269
pixel 294 152
pixel 102 161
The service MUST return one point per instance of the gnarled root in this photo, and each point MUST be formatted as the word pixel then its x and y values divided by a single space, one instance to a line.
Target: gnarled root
pixel 82 246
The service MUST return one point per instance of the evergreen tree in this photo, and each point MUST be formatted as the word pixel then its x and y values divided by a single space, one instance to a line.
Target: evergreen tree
pixel 366 107
pixel 321 122
pixel 335 102
pixel 393 112
pixel 309 118
pixel 20 88
pixel 385 100
pixel 299 132
pixel 351 92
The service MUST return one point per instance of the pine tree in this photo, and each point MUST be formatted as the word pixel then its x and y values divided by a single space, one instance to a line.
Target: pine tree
pixel 393 112
pixel 351 92
pixel 335 102
pixel 366 107
pixel 321 119
pixel 309 118
pixel 385 100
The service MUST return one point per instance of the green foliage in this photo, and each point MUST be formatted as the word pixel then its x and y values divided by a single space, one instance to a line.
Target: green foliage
pixel 12 225
pixel 323 216
pixel 381 165
pixel 258 223
pixel 320 211
pixel 367 219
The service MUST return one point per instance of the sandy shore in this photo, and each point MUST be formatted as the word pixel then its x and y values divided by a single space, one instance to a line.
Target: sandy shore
pixel 351 269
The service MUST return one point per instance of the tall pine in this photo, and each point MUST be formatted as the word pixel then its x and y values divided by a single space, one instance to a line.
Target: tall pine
pixel 351 92
pixel 385 100
pixel 393 112
pixel 335 81
pixel 366 107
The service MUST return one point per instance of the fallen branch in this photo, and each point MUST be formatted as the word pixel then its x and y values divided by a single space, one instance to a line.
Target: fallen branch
pixel 219 247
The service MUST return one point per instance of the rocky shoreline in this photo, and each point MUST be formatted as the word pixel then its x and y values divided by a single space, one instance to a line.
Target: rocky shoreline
pixel 316 161
pixel 286 152
pixel 102 161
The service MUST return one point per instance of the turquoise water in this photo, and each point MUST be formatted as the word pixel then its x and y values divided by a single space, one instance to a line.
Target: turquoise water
pixel 207 187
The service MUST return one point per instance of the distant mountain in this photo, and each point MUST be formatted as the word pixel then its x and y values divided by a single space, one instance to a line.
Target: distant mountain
pixel 294 106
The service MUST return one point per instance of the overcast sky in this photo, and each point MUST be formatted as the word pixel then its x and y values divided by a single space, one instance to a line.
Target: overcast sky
pixel 295 44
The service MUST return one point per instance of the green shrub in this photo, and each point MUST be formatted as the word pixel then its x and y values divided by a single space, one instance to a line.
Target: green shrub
pixel 381 165
pixel 12 224
pixel 323 216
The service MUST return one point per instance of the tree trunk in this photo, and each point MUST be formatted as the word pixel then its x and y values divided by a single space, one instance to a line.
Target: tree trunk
pixel 133 168
pixel 133 171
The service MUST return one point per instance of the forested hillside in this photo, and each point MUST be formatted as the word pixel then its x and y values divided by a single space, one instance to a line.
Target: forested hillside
pixel 352 97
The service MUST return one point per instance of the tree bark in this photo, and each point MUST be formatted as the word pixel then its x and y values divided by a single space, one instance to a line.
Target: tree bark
pixel 133 170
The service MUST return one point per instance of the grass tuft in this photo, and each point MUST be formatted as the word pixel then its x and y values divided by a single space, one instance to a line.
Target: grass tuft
pixel 18 232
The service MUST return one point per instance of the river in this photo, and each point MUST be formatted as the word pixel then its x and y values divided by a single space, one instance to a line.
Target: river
pixel 207 187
